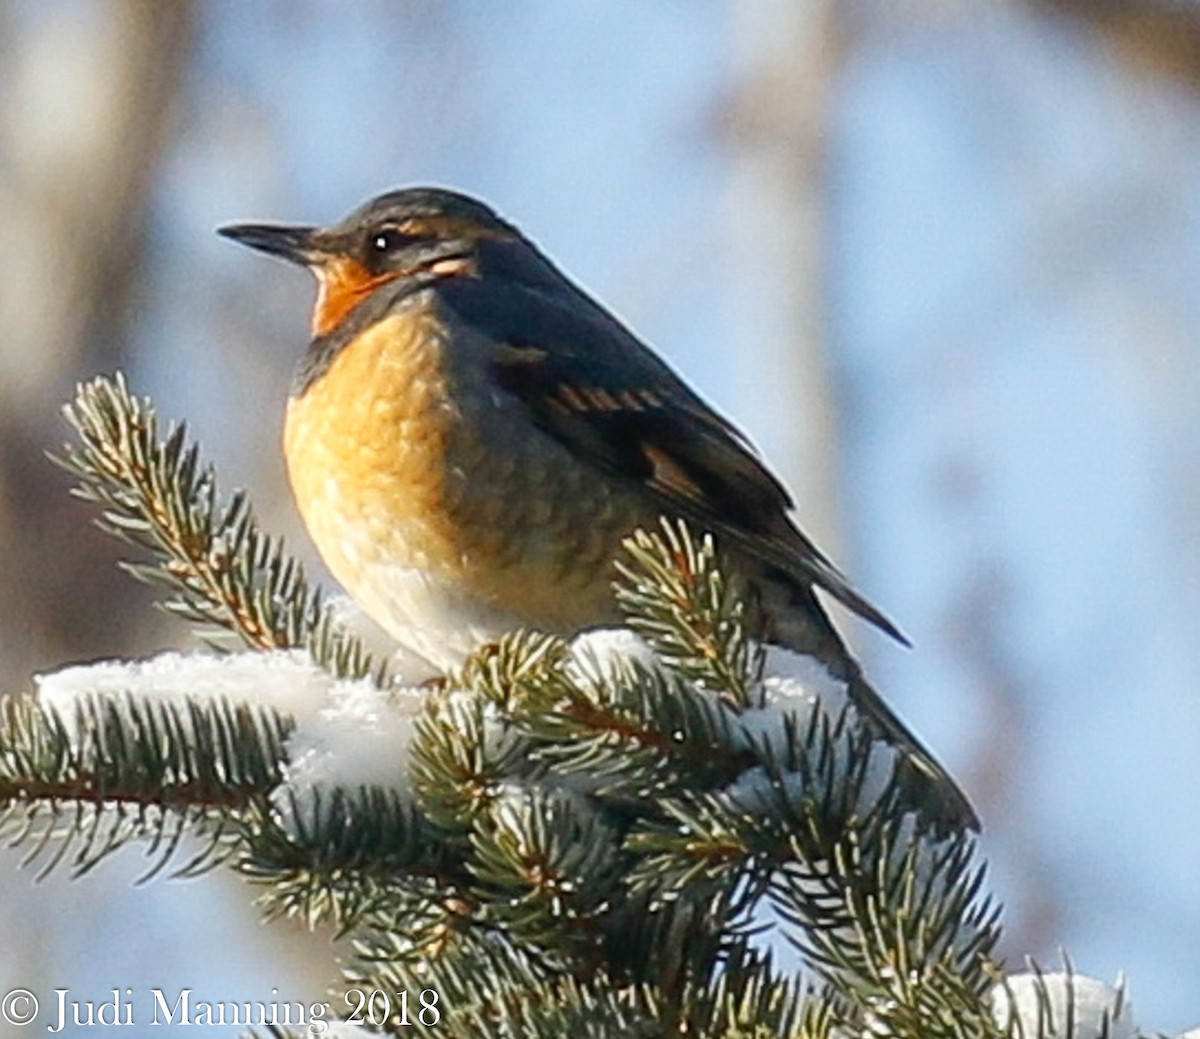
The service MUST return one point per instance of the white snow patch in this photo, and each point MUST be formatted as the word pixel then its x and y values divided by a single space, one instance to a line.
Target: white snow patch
pixel 287 680
pixel 793 685
pixel 1094 1006
pixel 800 687
pixel 603 654
pixel 790 676
pixel 348 733
pixel 360 737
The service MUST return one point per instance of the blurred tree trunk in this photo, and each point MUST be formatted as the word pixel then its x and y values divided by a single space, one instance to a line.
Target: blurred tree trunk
pixel 86 112
pixel 789 55
pixel 1162 36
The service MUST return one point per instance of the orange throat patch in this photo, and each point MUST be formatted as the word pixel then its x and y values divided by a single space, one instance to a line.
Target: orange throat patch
pixel 344 284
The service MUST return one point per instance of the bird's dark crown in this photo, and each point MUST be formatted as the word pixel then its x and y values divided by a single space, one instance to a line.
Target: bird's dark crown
pixel 412 229
pixel 436 207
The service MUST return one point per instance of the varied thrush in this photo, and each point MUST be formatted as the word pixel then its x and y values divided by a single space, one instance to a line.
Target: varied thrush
pixel 470 436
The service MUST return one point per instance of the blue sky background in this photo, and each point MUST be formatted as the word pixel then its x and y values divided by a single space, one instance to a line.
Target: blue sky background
pixel 1012 232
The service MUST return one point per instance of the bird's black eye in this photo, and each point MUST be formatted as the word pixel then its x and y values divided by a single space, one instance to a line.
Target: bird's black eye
pixel 389 240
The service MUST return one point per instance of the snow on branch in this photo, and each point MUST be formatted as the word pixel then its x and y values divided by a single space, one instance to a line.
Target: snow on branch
pixel 562 836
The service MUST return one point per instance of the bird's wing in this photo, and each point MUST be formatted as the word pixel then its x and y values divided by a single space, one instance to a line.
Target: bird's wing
pixel 589 383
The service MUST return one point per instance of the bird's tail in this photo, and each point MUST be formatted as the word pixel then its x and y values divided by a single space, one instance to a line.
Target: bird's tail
pixel 936 794
pixel 789 614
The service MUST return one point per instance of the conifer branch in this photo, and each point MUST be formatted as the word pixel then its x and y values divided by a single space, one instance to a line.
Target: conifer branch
pixel 461 757
pixel 340 855
pixel 589 843
pixel 629 727
pixel 675 596
pixel 548 862
pixel 126 768
pixel 218 567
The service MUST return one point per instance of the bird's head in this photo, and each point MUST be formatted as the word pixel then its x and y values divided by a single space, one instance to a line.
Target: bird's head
pixel 413 233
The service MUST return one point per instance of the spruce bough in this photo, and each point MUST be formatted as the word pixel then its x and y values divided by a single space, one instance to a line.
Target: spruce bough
pixel 605 837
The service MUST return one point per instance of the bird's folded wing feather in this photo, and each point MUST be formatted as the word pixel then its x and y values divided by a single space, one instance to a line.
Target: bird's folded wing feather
pixel 589 383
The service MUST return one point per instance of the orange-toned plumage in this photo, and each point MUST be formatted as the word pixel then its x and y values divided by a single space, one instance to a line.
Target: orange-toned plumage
pixel 382 463
pixel 470 438
pixel 344 284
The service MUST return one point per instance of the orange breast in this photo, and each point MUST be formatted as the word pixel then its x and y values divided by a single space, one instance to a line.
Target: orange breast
pixel 365 447
pixel 435 502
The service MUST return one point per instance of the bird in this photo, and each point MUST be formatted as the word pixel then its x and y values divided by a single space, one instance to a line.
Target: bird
pixel 470 437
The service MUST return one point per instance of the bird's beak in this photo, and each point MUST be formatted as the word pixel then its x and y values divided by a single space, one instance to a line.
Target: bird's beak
pixel 297 244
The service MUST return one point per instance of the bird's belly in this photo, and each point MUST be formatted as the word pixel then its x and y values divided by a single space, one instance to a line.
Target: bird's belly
pixel 442 591
pixel 447 530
